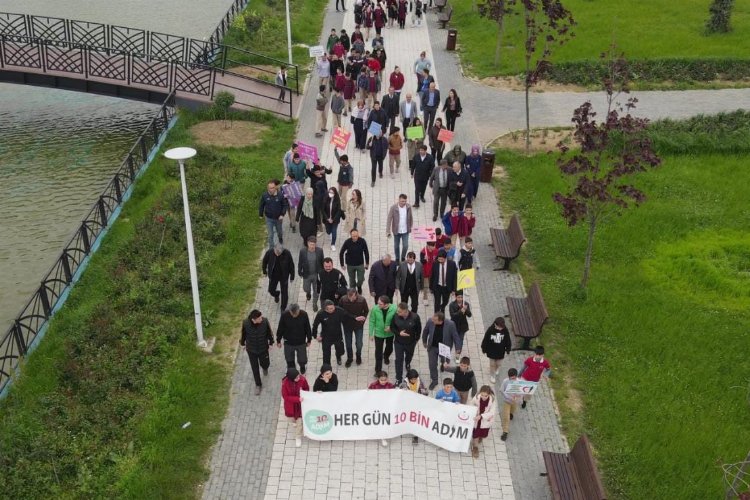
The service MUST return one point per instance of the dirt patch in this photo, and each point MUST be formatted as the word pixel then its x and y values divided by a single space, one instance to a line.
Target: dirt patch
pixel 260 71
pixel 515 83
pixel 238 134
pixel 573 401
pixel 542 140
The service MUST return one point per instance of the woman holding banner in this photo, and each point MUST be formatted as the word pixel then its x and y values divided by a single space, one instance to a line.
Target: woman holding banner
pixel 486 410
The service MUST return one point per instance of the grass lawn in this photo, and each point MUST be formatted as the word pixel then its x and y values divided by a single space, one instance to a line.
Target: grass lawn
pixel 99 409
pixel 653 362
pixel 643 29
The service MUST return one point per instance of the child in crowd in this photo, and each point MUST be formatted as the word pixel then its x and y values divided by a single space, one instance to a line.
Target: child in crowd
pixel 486 410
pixel 510 402
pixel 496 344
pixel 450 251
pixel 533 369
pixel 382 383
pixel 468 257
pixel 448 393
pixel 414 384
pixel 327 381
pixel 440 238
pixel 464 379
pixel 291 385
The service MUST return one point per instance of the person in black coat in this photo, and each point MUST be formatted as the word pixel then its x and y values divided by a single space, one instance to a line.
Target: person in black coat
pixel 307 217
pixel 452 109
pixel 319 184
pixel 378 115
pixel 406 327
pixel 256 338
pixel 278 265
pixel 332 215
pixel 390 103
pixel 327 381
pixel 421 169
pixel 443 280
pixel 382 280
pixel 332 282
pixel 331 321
pixel 458 182
pixel 496 344
pixel 378 146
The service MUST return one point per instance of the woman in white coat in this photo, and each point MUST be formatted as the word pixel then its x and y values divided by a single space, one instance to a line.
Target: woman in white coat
pixel 486 411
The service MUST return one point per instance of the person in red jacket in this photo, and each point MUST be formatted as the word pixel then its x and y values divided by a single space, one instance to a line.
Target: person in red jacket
pixel 350 89
pixel 533 368
pixel 427 257
pixel 397 81
pixel 382 383
pixel 291 385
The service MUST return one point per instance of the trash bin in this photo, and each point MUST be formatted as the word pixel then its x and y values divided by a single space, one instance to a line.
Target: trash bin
pixel 488 163
pixel 451 43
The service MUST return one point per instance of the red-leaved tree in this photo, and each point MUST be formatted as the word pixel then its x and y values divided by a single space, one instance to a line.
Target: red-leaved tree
pixel 497 10
pixel 612 151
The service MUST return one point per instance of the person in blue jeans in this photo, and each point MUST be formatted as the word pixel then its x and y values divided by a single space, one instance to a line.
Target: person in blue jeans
pixel 273 206
pixel 399 223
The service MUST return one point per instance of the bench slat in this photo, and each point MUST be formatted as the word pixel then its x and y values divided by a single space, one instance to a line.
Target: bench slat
pixel 574 476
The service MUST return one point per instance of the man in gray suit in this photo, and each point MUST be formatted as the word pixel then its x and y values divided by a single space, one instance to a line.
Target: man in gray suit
pixel 409 280
pixel 408 112
pixel 439 185
pixel 430 103
pixel 438 330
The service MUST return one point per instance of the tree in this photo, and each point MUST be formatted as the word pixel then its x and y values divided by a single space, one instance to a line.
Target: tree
pixel 222 102
pixel 720 11
pixel 611 153
pixel 547 22
pixel 496 10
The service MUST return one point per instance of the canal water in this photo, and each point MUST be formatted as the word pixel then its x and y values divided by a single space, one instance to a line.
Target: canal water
pixel 59 149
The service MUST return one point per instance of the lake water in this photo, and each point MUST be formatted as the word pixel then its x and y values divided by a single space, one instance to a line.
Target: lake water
pixel 59 149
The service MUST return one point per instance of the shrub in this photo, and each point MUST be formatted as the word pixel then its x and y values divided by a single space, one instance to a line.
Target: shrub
pixel 718 22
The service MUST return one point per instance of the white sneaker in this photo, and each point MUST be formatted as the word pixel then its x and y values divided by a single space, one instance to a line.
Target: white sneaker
pixel 384 443
pixel 333 248
pixel 298 442
pixel 492 379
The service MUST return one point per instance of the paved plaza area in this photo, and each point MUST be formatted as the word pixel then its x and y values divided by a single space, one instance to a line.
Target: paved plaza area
pixel 256 457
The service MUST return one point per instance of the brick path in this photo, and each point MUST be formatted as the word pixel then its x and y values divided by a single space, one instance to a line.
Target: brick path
pixel 256 451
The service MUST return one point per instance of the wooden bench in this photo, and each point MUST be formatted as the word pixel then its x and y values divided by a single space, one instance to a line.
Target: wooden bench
pixel 445 17
pixel 528 315
pixel 507 242
pixel 574 476
pixel 439 4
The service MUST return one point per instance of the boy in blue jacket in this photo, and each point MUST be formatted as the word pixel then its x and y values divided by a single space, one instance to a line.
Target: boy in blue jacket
pixel 448 393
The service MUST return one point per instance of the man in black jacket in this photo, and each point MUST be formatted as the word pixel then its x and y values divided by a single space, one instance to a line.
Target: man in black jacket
pixel 458 179
pixel 278 265
pixel 421 168
pixel 256 338
pixel 273 206
pixel 378 146
pixel 391 106
pixel 409 280
pixel 332 282
pixel 443 280
pixel 378 115
pixel 406 327
pixel 354 258
pixel 382 280
pixel 355 304
pixel 294 329
pixel 331 320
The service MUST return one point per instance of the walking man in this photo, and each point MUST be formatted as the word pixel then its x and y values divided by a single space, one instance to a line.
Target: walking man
pixel 421 169
pixel 390 106
pixel 331 320
pixel 278 265
pixel 310 263
pixel 382 280
pixel 430 103
pixel 378 146
pixel 437 330
pixel 380 330
pixel 321 105
pixel 257 337
pixel 406 327
pixel 421 64
pixel 408 111
pixel 332 282
pixel 356 305
pixel 410 280
pixel 443 280
pixel 439 185
pixel 294 330
pixel 354 258
pixel 281 82
pixel 273 206
pixel 399 223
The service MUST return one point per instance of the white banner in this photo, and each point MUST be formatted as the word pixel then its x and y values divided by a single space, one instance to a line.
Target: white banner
pixel 384 414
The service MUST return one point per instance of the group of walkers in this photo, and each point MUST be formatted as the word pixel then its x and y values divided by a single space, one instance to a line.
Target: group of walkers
pixel 352 83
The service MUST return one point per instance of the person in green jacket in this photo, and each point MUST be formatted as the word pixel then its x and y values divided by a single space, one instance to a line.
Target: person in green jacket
pixel 380 330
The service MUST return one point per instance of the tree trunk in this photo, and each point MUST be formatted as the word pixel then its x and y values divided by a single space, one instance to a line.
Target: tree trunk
pixel 528 126
pixel 589 252
pixel 527 16
pixel 499 42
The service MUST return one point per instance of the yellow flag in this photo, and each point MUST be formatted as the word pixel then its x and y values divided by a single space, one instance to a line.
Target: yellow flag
pixel 466 279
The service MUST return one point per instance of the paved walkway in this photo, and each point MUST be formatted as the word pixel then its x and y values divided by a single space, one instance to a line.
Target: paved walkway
pixel 255 454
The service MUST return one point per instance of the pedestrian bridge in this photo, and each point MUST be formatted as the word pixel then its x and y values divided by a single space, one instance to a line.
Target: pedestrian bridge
pixel 139 64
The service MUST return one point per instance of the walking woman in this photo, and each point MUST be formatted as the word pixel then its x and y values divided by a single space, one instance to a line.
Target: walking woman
pixel 452 109
pixel 486 411
pixel 367 14
pixel 355 213
pixel 307 217
pixel 291 386
pixel 436 145
pixel 360 114
pixel 332 215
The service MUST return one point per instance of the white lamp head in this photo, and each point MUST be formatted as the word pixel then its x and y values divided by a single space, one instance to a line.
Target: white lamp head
pixel 180 154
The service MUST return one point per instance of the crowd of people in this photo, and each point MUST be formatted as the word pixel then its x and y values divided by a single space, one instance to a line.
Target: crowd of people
pixel 385 118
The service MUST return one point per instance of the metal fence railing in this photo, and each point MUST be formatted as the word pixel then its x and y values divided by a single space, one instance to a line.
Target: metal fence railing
pixel 30 322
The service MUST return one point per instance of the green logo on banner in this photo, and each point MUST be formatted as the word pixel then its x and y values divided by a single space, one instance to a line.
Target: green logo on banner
pixel 318 422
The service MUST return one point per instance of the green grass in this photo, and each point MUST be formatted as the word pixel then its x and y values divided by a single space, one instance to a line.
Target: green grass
pixel 99 408
pixel 656 350
pixel 643 29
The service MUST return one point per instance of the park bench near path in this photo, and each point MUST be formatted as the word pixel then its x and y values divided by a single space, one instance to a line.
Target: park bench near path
pixel 574 475
pixel 440 4
pixel 528 315
pixel 507 242
pixel 445 16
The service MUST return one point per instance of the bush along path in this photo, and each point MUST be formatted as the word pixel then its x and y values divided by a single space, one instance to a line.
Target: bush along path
pixel 117 401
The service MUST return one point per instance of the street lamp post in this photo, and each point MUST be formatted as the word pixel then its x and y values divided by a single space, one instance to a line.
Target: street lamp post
pixel 182 154
pixel 288 32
